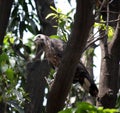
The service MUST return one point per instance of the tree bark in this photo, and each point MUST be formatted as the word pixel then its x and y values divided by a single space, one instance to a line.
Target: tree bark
pixel 119 76
pixel 35 87
pixel 108 87
pixel 5 8
pixel 64 77
pixel 109 77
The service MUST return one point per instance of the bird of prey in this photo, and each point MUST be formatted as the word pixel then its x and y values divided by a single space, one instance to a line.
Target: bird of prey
pixel 53 49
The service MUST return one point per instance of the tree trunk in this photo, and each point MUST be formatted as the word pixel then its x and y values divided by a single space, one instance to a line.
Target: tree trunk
pixel 108 87
pixel 64 77
pixel 119 76
pixel 110 60
pixel 5 8
pixel 35 87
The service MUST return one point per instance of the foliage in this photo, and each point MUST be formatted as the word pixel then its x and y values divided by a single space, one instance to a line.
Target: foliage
pixel 118 101
pixel 83 107
pixel 64 22
pixel 23 18
pixel 109 29
pixel 12 76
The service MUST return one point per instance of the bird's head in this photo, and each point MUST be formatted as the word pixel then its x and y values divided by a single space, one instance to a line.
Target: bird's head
pixel 41 40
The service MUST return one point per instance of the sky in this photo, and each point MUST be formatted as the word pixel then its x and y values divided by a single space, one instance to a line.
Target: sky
pixel 64 5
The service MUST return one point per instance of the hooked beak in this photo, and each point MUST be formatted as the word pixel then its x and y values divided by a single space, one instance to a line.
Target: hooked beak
pixel 36 41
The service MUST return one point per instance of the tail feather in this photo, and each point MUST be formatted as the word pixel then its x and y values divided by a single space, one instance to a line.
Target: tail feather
pixel 83 77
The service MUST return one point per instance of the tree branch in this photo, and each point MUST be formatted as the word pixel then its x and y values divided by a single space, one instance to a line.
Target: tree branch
pixel 5 8
pixel 115 43
pixel 92 42
pixel 64 77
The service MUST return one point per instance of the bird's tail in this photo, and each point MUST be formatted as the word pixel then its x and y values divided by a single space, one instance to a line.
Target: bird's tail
pixel 82 76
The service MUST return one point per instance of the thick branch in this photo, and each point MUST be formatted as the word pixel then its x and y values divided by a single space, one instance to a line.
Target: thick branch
pixel 76 44
pixel 108 87
pixel 115 44
pixel 36 73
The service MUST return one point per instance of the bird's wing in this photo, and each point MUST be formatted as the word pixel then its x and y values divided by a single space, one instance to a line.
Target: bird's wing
pixel 58 46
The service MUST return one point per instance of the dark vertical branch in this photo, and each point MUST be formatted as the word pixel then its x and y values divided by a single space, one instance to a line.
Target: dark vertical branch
pixel 119 76
pixel 109 71
pixel 5 8
pixel 83 22
pixel 114 48
pixel 105 73
pixel 35 87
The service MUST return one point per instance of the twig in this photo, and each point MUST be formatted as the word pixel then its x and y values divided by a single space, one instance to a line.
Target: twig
pixel 104 11
pixel 93 41
pixel 110 21
pixel 93 36
pixel 106 32
pixel 103 3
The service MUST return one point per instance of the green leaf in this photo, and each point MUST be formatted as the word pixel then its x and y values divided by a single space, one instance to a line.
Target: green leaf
pixel 111 111
pixel 25 7
pixel 62 24
pixel 27 48
pixel 110 33
pixel 66 111
pixel 84 107
pixel 71 11
pixel 51 15
pixel 55 36
pixel 8 39
pixel 14 23
pixel 32 26
pixel 59 10
pixel 4 57
pixel 5 41
pixel 15 10
pixel 10 74
pixel 69 2
pixel 54 9
pixel 16 106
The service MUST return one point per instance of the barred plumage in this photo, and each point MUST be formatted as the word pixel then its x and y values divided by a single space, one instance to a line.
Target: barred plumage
pixel 53 49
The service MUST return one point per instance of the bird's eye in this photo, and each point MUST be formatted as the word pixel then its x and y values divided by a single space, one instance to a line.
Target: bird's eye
pixel 39 36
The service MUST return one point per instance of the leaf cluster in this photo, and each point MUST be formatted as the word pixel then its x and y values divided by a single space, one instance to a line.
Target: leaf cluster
pixel 64 22
pixel 83 107
pixel 109 29
pixel 12 76
pixel 23 18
